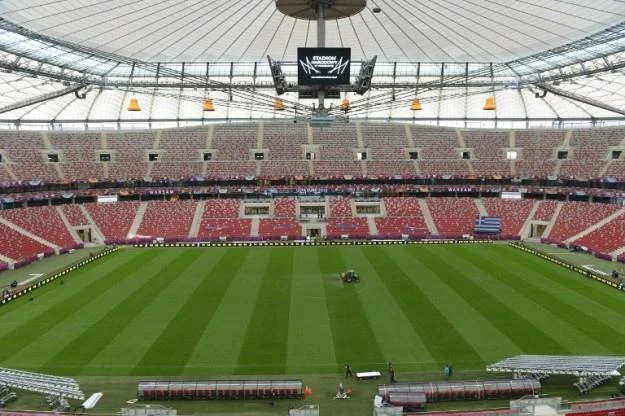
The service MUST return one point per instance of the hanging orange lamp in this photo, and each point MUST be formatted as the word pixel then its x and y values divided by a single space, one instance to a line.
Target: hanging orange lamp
pixel 415 105
pixel 133 105
pixel 489 104
pixel 278 105
pixel 208 105
pixel 345 105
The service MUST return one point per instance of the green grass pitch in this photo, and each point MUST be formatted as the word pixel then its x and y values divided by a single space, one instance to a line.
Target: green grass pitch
pixel 283 311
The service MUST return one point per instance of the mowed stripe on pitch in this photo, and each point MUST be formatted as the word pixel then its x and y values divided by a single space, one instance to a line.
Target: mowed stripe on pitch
pixel 121 355
pixel 265 343
pixel 310 346
pixel 476 330
pixel 218 349
pixel 352 334
pixel 535 312
pixel 441 338
pixel 55 317
pixel 124 308
pixel 596 298
pixel 394 332
pixel 16 313
pixel 511 322
pixel 172 349
pixel 567 305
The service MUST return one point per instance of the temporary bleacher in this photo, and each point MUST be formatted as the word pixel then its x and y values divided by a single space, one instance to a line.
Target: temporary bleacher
pixel 591 370
pixel 513 213
pixel 453 216
pixel 168 219
pixel 43 222
pixel 575 217
pixel 41 383
pixel 114 220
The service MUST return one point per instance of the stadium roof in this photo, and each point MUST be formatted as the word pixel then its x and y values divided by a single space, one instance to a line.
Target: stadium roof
pixel 249 30
pixel 546 63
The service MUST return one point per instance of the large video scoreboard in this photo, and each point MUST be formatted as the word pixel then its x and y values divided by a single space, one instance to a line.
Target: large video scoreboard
pixel 323 66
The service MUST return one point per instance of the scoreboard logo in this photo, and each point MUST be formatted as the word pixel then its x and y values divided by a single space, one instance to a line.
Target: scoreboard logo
pixel 323 66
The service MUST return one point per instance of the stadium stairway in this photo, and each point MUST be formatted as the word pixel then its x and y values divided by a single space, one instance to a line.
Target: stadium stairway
pixel 7 260
pixel 528 221
pixel 480 207
pixel 94 226
pixel 373 228
pixel 138 218
pixel 28 234
pixel 427 216
pixel 197 219
pixel 552 222
pixel 255 227
pixel 67 224
pixel 614 253
pixel 595 226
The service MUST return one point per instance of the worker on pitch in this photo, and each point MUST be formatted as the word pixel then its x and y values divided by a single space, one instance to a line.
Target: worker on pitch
pixel 348 371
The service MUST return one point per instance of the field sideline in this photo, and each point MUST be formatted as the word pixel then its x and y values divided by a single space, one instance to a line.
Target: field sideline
pixel 283 310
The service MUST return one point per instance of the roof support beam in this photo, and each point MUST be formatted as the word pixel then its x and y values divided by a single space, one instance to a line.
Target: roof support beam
pixel 41 98
pixel 581 98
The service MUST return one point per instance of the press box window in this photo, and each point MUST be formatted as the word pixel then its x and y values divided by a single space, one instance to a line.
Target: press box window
pixel 413 155
pixel 616 155
pixel 259 156
pixel 105 157
pixel 53 157
pixel 563 154
pixel 311 156
pixel 153 157
pixel 465 155
pixel 1 160
pixel 511 155
pixel 361 155
pixel 207 156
